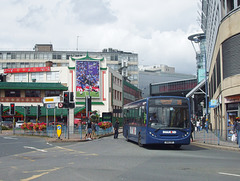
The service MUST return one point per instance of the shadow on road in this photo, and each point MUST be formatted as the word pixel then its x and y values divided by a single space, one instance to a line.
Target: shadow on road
pixel 170 147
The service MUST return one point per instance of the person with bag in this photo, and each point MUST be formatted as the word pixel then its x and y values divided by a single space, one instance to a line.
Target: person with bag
pixel 93 130
pixel 116 127
pixel 236 128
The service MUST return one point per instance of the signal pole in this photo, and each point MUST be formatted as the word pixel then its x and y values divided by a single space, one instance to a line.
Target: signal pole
pixel 1 112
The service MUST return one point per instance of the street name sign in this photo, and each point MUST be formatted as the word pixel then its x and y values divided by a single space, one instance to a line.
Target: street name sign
pixel 48 100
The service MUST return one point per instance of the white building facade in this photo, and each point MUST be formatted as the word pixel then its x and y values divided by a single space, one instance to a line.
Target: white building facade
pixel 28 86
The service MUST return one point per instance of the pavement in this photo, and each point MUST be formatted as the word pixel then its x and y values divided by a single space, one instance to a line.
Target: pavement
pixel 210 139
pixel 201 139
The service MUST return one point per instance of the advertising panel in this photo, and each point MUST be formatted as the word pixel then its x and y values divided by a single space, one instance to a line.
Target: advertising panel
pixel 28 69
pixel 87 79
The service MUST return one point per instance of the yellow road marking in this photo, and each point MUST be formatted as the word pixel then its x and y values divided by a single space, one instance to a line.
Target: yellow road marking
pixel 34 176
pixel 39 175
pixel 69 149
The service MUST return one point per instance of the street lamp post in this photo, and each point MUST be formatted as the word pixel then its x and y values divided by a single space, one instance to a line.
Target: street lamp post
pixel 199 38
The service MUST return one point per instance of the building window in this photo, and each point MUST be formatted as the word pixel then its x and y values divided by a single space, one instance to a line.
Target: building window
pixel 114 58
pixel 33 93
pixel 8 55
pixel 13 56
pixel 56 56
pixel 21 77
pixel 68 56
pixel 38 76
pixel 230 5
pixel 231 63
pixel 52 75
pixel 12 93
pixel 52 93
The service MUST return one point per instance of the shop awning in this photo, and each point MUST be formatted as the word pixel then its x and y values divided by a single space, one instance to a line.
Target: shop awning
pixel 32 86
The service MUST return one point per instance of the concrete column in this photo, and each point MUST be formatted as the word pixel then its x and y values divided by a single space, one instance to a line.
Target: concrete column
pixel 71 121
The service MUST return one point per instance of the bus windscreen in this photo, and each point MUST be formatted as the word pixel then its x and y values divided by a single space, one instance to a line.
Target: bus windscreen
pixel 168 114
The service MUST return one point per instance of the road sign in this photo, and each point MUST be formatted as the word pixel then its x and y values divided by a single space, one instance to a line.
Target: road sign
pixel 48 100
pixel 49 106
pixel 60 105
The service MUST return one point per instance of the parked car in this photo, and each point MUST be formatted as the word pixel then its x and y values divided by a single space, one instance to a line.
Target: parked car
pixel 19 124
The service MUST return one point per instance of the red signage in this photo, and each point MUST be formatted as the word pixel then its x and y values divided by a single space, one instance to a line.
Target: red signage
pixel 27 69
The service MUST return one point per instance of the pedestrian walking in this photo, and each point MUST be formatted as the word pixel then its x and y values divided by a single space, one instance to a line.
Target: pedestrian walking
pixel 93 130
pixel 116 127
pixel 192 129
pixel 206 125
pixel 198 125
pixel 89 130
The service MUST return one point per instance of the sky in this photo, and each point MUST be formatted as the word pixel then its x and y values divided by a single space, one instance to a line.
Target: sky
pixel 157 30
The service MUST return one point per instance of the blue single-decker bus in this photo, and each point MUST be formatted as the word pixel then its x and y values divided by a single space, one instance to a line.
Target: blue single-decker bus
pixel 158 120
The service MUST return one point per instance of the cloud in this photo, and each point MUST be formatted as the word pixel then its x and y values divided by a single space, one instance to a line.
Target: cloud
pixel 93 12
pixel 34 17
pixel 156 30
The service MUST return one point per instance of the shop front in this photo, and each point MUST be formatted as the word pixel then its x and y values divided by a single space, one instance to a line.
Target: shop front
pixel 232 110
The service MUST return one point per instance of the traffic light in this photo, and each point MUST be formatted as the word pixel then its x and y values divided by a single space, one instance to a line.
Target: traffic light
pixel 71 99
pixel 28 110
pixel 38 111
pixel 12 109
pixel 1 109
pixel 66 99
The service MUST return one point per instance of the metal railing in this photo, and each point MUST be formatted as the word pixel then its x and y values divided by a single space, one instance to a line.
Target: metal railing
pixel 73 132
pixel 215 137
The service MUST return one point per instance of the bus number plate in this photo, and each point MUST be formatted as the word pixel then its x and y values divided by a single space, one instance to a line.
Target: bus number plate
pixel 169 132
pixel 168 142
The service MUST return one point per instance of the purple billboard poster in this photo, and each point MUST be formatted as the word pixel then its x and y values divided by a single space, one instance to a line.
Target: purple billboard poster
pixel 87 79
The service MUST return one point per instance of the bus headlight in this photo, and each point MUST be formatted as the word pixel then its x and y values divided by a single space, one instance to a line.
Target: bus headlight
pixel 152 134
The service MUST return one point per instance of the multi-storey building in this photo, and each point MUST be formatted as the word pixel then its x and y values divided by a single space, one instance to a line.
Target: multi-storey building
pixel 130 93
pixel 220 23
pixel 28 86
pixel 124 62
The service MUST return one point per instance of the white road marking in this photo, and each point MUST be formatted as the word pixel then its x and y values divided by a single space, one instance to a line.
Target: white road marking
pixel 10 138
pixel 229 174
pixel 33 148
pixel 49 144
